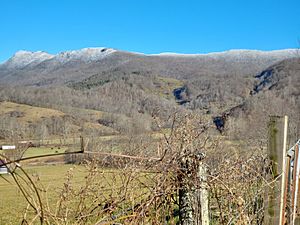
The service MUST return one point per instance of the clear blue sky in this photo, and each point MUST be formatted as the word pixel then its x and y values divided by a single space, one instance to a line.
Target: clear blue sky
pixel 149 26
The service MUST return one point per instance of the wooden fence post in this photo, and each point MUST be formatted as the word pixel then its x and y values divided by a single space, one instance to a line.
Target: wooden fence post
pixel 81 144
pixel 186 191
pixel 203 194
pixel 284 176
pixel 193 194
pixel 273 206
pixel 295 188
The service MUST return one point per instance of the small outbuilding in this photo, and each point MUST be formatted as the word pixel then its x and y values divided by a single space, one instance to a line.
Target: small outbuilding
pixel 7 147
pixel 3 168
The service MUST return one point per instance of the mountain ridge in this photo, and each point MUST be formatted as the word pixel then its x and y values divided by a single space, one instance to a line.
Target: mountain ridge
pixel 40 68
pixel 95 53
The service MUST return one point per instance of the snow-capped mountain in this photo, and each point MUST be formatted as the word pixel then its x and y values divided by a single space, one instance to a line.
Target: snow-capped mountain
pixel 40 68
pixel 85 54
pixel 255 54
pixel 24 58
pixel 238 54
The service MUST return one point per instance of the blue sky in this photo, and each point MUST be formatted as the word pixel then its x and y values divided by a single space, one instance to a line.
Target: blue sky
pixel 149 26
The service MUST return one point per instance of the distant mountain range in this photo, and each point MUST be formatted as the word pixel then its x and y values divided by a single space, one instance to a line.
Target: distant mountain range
pixel 23 58
pixel 245 85
pixel 40 68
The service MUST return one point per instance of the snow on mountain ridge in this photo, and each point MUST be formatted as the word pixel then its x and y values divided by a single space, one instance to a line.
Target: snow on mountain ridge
pixel 23 58
pixel 85 54
pixel 236 53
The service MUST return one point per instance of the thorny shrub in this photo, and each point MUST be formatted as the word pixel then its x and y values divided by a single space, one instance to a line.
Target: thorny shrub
pixel 147 192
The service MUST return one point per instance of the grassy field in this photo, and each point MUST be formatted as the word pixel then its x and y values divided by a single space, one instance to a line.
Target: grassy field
pixel 12 202
pixel 53 179
pixel 43 151
pixel 37 151
pixel 27 113
pixel 109 143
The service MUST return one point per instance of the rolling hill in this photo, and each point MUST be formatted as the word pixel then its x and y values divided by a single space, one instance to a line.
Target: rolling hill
pixel 26 121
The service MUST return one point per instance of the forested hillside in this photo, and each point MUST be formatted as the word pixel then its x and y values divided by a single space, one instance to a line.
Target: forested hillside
pixel 126 90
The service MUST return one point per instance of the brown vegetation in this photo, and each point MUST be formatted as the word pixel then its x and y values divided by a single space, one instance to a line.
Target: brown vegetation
pixel 149 191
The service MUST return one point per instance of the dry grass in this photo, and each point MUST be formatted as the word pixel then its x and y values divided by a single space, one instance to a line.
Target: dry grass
pixel 26 115
pixel 164 87
pixel 55 181
pixel 132 196
pixel 39 151
pixel 29 113
pixel 12 202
